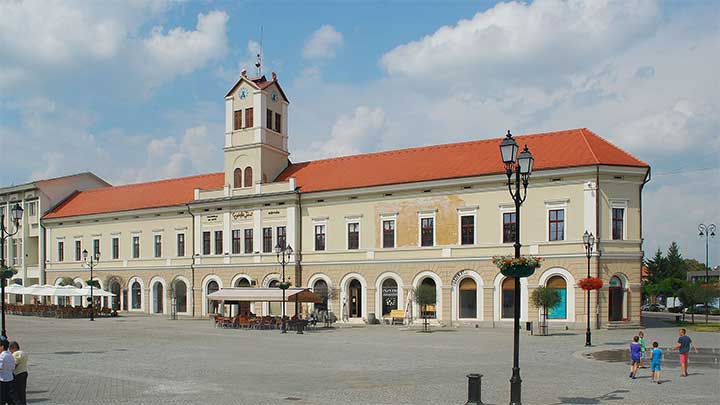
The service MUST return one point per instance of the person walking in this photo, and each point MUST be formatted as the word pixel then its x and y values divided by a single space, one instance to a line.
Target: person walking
pixel 21 373
pixel 683 346
pixel 655 361
pixel 7 383
pixel 641 335
pixel 635 354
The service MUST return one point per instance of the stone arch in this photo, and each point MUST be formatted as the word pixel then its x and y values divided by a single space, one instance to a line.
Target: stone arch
pixel 345 298
pixel 267 280
pixel 208 278
pixel 132 296
pixel 497 298
pixel 79 301
pixel 155 299
pixel 240 276
pixel 479 299
pixel 569 288
pixel 188 294
pixel 379 291
pixel 322 276
pixel 624 281
pixel 438 293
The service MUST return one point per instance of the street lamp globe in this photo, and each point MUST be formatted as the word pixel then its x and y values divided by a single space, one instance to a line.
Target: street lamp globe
pixel 84 254
pixel 278 249
pixel 16 213
pixel 289 250
pixel 586 238
pixel 526 161
pixel 591 240
pixel 508 150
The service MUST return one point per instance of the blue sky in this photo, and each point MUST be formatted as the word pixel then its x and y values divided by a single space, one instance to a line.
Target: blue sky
pixel 133 90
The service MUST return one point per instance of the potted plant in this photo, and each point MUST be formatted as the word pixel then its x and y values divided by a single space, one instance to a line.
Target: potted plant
pixel 511 266
pixel 545 298
pixel 424 295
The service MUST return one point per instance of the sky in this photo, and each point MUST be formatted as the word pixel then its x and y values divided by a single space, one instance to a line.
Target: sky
pixel 133 90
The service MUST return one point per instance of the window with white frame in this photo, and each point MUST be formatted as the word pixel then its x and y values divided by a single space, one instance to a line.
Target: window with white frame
pixel 353 235
pixel 180 248
pixel 136 246
pixel 320 237
pixel 31 211
pixel 427 229
pixel 157 245
pixel 115 247
pixel 61 251
pixel 618 219
pixel 556 224
pixel 466 226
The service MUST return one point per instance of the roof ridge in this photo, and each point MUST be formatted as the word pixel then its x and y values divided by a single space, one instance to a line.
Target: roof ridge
pixel 151 182
pixel 591 132
pixel 433 147
pixel 592 152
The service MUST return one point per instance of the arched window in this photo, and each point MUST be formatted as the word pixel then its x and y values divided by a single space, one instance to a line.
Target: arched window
pixel 355 309
pixel 468 298
pixel 242 282
pixel 180 296
pixel 429 310
pixel 508 298
pixel 616 299
pixel 248 182
pixel 559 311
pixel 135 295
pixel 115 289
pixel 158 298
pixel 389 296
pixel 212 306
pixel 275 308
pixel 78 301
pixel 237 178
pixel 320 288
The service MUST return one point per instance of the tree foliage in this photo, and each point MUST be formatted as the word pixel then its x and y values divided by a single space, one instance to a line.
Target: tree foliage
pixel 676 264
pixel 545 298
pixel 424 295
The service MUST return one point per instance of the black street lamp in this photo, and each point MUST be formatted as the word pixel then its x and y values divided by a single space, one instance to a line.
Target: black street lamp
pixel 521 166
pixel 283 254
pixel 589 242
pixel 94 259
pixel 708 231
pixel 16 213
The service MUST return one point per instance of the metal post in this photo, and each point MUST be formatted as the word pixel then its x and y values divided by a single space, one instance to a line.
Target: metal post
pixel 474 389
pixel 515 380
pixel 588 334
pixel 283 326
pixel 92 303
pixel 2 268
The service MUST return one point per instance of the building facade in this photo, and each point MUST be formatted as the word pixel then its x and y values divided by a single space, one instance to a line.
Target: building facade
pixel 366 229
pixel 25 250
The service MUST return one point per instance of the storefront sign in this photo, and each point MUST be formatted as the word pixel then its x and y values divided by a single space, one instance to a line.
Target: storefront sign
pixel 238 215
pixel 458 276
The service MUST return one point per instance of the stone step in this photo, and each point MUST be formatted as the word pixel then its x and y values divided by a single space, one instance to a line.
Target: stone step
pixel 622 325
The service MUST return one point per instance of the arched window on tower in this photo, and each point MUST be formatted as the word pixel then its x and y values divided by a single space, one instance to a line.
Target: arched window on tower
pixel 248 181
pixel 237 178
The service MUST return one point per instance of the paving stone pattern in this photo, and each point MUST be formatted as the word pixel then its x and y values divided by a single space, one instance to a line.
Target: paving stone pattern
pixel 153 360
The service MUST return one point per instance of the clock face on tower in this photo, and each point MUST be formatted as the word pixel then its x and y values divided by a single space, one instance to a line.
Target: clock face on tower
pixel 242 94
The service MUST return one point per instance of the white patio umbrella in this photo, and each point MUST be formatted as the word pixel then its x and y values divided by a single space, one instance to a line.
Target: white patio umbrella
pixel 97 292
pixel 15 289
pixel 37 289
pixel 67 291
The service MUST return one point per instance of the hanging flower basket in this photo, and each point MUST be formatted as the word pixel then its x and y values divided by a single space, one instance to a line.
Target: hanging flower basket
pixel 8 272
pixel 590 283
pixel 521 267
pixel 283 286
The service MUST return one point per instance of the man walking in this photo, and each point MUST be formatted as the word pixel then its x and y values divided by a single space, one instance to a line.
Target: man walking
pixel 683 347
pixel 7 383
pixel 21 374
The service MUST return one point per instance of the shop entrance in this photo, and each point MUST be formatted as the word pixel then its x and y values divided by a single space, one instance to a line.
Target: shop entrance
pixel 355 301
pixel 615 299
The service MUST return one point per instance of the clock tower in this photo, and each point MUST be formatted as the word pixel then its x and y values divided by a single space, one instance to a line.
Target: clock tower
pixel 256 143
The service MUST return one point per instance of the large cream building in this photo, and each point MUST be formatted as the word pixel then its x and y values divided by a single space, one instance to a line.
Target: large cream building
pixel 368 228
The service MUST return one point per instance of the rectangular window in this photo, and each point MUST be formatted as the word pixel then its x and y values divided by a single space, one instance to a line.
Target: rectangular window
pixel 618 215
pixel 467 229
pixel 158 245
pixel 61 251
pixel 281 236
pixel 388 233
pixel 268 118
pixel 353 235
pixel 508 227
pixel 218 242
pixel 181 244
pixel 136 247
pixel 427 231
pixel 319 237
pixel 237 120
pixel 206 243
pixel 236 241
pixel 96 247
pixel 248 240
pixel 31 209
pixel 278 120
pixel 556 224
pixel 78 250
pixel 115 248
pixel 249 117
pixel 267 240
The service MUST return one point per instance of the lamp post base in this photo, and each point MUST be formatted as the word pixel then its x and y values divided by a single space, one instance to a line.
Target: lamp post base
pixel 588 338
pixel 515 387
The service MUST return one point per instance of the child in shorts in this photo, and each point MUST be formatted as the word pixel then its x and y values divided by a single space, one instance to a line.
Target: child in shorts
pixel 635 354
pixel 641 335
pixel 655 360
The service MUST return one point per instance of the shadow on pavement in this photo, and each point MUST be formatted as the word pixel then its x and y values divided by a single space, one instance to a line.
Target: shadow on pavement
pixel 610 396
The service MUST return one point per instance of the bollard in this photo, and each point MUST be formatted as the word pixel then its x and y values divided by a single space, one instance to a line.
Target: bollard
pixel 474 388
pixel 677 319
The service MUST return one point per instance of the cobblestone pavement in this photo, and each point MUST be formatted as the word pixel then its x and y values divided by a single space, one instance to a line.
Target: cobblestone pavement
pixel 142 359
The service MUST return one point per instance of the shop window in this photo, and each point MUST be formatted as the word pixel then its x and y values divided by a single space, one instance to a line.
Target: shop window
pixel 468 298
pixel 559 311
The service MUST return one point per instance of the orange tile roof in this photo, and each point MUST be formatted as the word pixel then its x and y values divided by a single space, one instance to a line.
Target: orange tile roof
pixel 575 147
pixel 571 148
pixel 163 193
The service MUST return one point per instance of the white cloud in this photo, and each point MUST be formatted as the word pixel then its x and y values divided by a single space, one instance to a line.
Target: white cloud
pixel 323 43
pixel 525 41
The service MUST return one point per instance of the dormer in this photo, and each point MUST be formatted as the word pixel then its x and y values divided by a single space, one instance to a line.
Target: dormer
pixel 256 142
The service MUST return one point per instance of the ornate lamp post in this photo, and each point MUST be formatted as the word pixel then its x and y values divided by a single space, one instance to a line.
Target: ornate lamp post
pixel 283 254
pixel 16 213
pixel 708 231
pixel 521 166
pixel 589 242
pixel 94 259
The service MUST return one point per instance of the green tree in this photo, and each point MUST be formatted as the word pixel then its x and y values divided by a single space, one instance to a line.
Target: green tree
pixel 669 287
pixel 690 295
pixel 657 268
pixel 424 295
pixel 545 298
pixel 694 265
pixel 707 293
pixel 676 264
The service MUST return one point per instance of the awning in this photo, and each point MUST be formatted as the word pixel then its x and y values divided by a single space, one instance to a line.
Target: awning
pixel 273 294
pixel 56 291
pixel 96 292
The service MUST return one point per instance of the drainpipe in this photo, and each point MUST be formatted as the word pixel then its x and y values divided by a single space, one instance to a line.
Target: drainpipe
pixel 298 245
pixel 192 264
pixel 598 239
